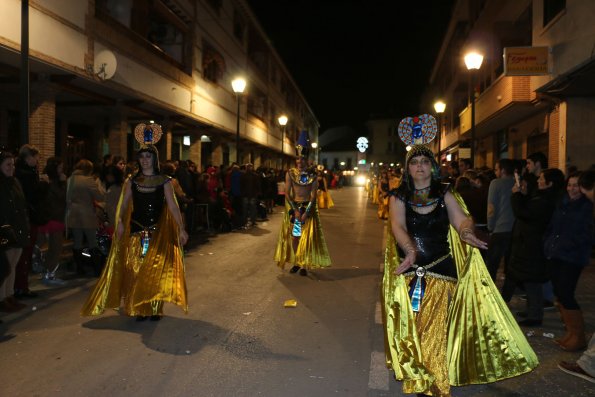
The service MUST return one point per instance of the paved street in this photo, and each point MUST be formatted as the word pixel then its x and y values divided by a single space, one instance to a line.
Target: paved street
pixel 238 339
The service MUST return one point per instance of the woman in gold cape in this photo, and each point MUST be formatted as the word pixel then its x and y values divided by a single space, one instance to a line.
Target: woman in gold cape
pixel 143 282
pixel 324 196
pixel 463 332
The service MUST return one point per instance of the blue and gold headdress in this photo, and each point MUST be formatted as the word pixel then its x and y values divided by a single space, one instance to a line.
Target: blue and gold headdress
pixel 148 135
pixel 417 132
pixel 302 146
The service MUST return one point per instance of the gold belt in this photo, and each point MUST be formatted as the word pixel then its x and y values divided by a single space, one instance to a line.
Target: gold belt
pixel 422 271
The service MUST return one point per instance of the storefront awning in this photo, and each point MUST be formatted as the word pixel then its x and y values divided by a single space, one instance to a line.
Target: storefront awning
pixel 577 82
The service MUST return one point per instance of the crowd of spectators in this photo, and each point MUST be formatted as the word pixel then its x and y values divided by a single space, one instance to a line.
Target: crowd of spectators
pixel 75 210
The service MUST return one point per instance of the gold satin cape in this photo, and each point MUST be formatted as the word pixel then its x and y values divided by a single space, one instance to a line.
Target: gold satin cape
pixel 484 343
pixel 324 199
pixel 312 251
pixel 143 283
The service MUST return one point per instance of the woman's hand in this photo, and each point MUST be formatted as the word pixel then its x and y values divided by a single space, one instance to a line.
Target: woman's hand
pixel 407 262
pixel 470 238
pixel 183 237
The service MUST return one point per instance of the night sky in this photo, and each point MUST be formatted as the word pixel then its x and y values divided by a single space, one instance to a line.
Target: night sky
pixel 352 59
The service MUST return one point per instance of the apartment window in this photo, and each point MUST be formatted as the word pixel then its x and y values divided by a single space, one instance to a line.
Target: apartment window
pixel 215 4
pixel 389 131
pixel 257 103
pixel 551 8
pixel 155 24
pixel 239 25
pixel 213 64
pixel 389 148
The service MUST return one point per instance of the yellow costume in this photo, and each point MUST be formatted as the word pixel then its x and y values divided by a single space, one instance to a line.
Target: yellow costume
pixel 323 195
pixel 375 192
pixel 143 282
pixel 463 333
pixel 312 251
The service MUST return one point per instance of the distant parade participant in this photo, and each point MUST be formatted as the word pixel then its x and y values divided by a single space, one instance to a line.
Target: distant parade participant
pixel 383 190
pixel 324 195
pixel 446 324
pixel 145 265
pixel 301 240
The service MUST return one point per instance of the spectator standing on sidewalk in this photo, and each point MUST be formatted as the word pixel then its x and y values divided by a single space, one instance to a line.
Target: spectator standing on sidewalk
pixel 13 212
pixel 35 188
pixel 567 246
pixel 82 192
pixel 55 205
pixel 527 260
pixel 250 186
pixel 584 367
pixel 500 217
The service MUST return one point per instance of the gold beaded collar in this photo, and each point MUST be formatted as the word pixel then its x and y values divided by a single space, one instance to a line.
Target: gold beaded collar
pixel 303 178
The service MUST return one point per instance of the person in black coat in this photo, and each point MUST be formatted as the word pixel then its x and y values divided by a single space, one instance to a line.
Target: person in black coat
pixel 527 260
pixel 13 215
pixel 567 246
pixel 35 189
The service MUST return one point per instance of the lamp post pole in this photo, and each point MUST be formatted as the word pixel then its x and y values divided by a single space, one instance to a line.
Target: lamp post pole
pixel 282 122
pixel 473 62
pixel 439 107
pixel 238 85
pixel 238 131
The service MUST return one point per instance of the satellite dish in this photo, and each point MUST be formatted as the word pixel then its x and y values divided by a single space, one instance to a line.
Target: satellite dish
pixel 105 64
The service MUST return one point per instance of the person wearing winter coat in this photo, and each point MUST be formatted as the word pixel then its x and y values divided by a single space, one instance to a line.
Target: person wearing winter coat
pixel 81 217
pixel 527 260
pixel 567 246
pixel 13 212
pixel 35 188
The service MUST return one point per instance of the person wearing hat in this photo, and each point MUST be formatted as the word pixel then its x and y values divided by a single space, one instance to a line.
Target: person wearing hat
pixel 145 265
pixel 445 321
pixel 301 240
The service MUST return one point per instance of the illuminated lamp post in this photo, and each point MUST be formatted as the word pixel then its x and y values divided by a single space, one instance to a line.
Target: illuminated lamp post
pixel 282 122
pixel 315 147
pixel 473 62
pixel 238 85
pixel 439 107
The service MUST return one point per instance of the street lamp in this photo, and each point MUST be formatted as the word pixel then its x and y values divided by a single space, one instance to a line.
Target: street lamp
pixel 473 62
pixel 439 107
pixel 315 147
pixel 238 85
pixel 282 122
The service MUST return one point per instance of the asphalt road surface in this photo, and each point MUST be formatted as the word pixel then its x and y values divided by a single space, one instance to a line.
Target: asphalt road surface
pixel 238 339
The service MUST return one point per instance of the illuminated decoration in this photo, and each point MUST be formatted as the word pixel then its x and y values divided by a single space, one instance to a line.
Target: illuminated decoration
pixel 408 148
pixel 362 144
pixel 363 161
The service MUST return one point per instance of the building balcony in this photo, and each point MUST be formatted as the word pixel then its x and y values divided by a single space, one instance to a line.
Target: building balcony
pixel 507 101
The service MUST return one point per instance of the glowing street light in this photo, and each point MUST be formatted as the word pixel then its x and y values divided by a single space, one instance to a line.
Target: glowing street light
pixel 473 61
pixel 238 85
pixel 439 107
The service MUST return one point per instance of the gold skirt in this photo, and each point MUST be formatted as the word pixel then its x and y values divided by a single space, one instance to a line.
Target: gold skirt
pixel 312 251
pixel 324 199
pixel 464 330
pixel 141 284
